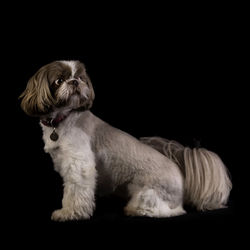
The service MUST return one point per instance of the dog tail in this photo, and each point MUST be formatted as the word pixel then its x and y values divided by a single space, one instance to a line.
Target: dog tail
pixel 207 180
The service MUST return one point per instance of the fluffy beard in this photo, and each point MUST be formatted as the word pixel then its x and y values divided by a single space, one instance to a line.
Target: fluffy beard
pixel 72 96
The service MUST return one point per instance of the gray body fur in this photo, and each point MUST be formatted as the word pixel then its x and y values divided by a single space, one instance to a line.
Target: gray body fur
pixel 122 160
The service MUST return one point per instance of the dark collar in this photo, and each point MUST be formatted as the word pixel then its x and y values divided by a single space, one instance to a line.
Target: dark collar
pixel 54 122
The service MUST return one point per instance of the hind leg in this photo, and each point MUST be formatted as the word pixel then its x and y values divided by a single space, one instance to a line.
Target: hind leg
pixel 146 202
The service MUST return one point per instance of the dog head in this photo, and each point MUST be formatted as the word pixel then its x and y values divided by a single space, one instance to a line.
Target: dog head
pixel 57 85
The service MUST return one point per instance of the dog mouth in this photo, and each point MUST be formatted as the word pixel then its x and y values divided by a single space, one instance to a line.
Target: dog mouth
pixel 80 93
pixel 76 92
pixel 75 96
pixel 79 97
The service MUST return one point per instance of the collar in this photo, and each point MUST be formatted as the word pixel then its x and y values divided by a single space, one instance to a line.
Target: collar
pixel 54 122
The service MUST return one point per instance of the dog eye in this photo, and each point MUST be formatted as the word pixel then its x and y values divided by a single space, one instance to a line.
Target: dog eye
pixel 59 81
pixel 80 78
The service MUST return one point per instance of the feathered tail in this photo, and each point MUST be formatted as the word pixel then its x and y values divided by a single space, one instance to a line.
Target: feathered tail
pixel 207 183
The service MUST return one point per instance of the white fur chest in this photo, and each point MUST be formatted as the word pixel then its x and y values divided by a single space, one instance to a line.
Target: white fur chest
pixel 72 149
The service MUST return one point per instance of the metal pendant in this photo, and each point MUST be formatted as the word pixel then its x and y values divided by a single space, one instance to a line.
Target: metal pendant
pixel 54 136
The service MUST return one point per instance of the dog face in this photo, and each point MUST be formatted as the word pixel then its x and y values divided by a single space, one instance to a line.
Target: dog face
pixel 56 85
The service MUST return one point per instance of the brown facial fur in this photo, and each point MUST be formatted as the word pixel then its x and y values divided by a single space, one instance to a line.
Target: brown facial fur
pixel 39 96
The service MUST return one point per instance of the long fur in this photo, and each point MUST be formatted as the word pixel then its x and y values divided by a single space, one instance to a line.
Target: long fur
pixel 156 175
pixel 37 98
pixel 207 183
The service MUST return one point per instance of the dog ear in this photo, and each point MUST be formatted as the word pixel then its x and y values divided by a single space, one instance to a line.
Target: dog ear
pixel 37 99
pixel 91 95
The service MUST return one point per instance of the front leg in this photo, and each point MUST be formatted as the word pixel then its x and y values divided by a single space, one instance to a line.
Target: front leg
pixel 79 191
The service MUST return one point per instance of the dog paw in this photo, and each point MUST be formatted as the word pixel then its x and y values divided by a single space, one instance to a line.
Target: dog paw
pixel 65 214
pixel 62 215
pixel 138 212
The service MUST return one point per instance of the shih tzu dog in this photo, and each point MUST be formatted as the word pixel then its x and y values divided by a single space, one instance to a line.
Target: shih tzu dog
pixel 157 176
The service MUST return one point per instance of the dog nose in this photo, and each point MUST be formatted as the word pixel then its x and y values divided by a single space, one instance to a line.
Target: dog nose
pixel 74 82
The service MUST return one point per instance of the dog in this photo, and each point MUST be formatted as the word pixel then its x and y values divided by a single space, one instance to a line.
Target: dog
pixel 156 175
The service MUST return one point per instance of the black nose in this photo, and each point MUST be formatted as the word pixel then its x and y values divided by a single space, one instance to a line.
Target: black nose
pixel 74 82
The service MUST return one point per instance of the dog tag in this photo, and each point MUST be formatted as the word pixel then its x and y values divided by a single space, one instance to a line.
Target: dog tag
pixel 54 136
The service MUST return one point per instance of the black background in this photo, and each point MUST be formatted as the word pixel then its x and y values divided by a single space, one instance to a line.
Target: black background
pixel 154 74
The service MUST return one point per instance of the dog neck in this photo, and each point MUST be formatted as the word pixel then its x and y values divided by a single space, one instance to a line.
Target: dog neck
pixel 56 117
pixel 54 122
